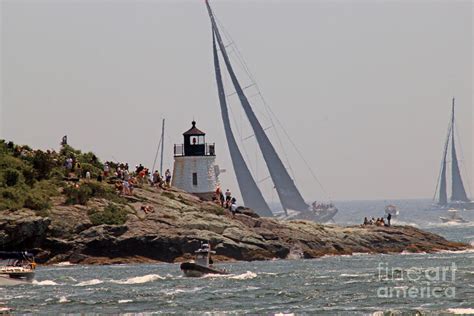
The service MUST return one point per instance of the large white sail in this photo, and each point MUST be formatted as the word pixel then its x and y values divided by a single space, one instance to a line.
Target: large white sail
pixel 288 193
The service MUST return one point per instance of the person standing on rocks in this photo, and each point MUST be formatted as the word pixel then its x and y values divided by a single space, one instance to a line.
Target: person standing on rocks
pixel 233 206
pixel 228 196
pixel 106 170
pixel 168 178
pixel 389 217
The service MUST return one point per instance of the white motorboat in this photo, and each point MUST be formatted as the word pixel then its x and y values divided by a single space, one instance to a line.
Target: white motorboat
pixel 202 264
pixel 453 217
pixel 19 269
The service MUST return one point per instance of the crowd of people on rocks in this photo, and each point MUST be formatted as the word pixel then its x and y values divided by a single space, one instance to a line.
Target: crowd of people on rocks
pixel 321 206
pixel 225 199
pixel 378 221
pixel 125 180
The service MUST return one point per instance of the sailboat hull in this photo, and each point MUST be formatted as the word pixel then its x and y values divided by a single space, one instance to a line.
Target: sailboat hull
pixel 322 216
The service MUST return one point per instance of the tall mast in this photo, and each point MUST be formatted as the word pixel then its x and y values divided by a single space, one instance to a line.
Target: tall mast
pixel 162 145
pixel 458 190
pixel 289 195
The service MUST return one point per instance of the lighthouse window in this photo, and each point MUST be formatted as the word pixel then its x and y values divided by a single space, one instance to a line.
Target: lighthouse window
pixel 197 140
pixel 195 178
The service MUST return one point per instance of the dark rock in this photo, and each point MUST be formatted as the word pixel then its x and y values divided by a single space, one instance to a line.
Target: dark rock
pixel 177 227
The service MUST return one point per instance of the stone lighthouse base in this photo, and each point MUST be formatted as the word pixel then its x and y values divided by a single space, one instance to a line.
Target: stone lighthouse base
pixel 197 175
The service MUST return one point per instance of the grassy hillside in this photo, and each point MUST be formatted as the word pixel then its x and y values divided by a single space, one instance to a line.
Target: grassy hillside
pixel 32 179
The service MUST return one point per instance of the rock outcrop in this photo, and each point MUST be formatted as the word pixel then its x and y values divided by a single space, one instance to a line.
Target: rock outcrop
pixel 180 222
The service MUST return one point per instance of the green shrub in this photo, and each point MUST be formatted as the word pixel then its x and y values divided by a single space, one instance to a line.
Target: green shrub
pixel 37 200
pixel 77 195
pixel 11 177
pixel 12 198
pixel 58 174
pixel 47 187
pixel 67 151
pixel 112 214
pixel 88 190
pixel 95 171
pixel 90 158
pixel 43 163
pixel 7 161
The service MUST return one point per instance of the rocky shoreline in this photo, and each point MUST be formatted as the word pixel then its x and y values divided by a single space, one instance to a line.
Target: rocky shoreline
pixel 178 224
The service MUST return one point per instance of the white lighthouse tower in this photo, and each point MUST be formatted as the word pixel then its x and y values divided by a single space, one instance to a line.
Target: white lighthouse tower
pixel 195 170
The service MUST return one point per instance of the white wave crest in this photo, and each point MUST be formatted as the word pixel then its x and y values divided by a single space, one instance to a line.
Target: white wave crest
pixel 63 264
pixel 461 311
pixel 348 275
pixel 178 291
pixel 63 299
pixel 244 276
pixel 124 301
pixel 89 282
pixel 45 282
pixel 139 279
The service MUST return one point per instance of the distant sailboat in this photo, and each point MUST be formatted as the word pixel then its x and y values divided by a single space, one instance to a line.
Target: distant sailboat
pixel 458 199
pixel 289 195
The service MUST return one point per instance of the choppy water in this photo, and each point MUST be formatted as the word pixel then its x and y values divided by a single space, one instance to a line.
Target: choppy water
pixel 359 284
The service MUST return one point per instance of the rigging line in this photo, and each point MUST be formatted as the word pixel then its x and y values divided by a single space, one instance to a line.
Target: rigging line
pixel 238 58
pixel 251 77
pixel 253 135
pixel 246 87
pixel 240 136
pixel 227 35
pixel 264 179
pixel 463 165
pixel 236 53
pixel 241 60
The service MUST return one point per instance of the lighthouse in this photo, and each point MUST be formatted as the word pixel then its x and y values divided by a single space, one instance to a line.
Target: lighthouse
pixel 195 170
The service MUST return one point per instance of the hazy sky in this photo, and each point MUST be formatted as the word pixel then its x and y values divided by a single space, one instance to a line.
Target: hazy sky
pixel 363 87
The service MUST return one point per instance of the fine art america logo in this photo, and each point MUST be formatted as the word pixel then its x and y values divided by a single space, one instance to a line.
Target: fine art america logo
pixel 415 282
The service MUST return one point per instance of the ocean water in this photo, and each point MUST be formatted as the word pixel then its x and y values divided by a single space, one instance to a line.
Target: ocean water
pixel 361 284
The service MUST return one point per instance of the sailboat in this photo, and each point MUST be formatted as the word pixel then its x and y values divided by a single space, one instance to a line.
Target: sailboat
pixel 458 199
pixel 291 199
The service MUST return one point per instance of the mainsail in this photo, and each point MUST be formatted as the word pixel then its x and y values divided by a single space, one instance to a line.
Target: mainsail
pixel 443 196
pixel 289 195
pixel 251 194
pixel 458 190
pixel 458 193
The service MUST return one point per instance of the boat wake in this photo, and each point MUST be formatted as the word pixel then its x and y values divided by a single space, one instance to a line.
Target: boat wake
pixel 89 282
pixel 44 282
pixel 139 279
pixel 243 276
pixel 450 224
